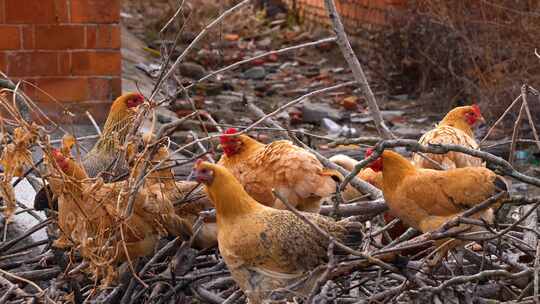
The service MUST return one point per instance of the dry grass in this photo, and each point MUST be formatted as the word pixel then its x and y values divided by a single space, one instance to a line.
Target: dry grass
pixel 476 51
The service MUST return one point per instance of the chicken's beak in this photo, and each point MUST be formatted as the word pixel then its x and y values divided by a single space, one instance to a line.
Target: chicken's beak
pixel 204 176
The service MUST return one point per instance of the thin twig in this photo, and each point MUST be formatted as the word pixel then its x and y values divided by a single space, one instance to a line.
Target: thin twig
pixel 174 66
pixel 94 123
pixel 357 70
pixel 275 52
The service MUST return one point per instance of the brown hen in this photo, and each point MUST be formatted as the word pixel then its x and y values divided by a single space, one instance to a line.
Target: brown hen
pixel 426 199
pixel 293 172
pixel 455 128
pixel 105 157
pixel 366 174
pixel 265 248
pixel 189 200
pixel 91 216
pixel 372 175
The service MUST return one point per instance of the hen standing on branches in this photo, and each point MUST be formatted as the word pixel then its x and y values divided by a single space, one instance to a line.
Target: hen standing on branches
pixel 292 171
pixel 265 248
pixel 455 128
pixel 105 157
pixel 426 199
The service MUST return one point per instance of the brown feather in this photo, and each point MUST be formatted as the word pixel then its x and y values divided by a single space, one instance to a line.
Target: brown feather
pixel 453 129
pixel 425 199
pixel 292 171
pixel 265 248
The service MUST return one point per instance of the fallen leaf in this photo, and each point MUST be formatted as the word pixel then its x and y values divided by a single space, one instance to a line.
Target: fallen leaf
pixel 231 37
pixel 350 103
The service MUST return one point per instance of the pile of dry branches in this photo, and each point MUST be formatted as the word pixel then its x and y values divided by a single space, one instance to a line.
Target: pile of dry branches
pixel 505 268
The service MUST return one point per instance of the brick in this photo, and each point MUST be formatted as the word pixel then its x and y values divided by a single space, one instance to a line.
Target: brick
pixel 99 89
pixel 64 89
pixel 64 63
pixel 60 37
pixel 96 63
pixel 400 3
pixel 35 11
pixel 29 88
pixel 108 37
pixel 10 38
pixel 95 11
pixel 3 62
pixel 62 10
pixel 28 37
pixel 98 110
pixel 32 63
pixel 116 87
pixel 104 88
pixel 2 10
pixel 91 36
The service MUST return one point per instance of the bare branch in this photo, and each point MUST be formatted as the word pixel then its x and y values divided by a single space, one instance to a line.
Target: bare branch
pixel 357 70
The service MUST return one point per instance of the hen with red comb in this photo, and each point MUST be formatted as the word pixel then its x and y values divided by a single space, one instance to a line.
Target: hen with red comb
pixel 106 156
pixel 368 174
pixel 455 128
pixel 292 171
pixel 426 199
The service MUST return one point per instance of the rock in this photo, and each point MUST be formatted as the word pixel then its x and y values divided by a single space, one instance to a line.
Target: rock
pixel 192 70
pixel 334 129
pixel 265 42
pixel 389 115
pixel 255 73
pixel 278 87
pixel 315 112
pixel 261 87
pixel 165 116
pixel 401 97
pixel 208 57
pixel 184 104
pixel 230 102
pixel 208 88
pixel 181 137
pixel 272 67
pixel 311 71
pixel 405 131
pixel 151 70
pixel 361 118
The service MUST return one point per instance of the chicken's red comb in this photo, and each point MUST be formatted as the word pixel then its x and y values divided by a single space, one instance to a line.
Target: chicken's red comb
pixel 476 110
pixel 230 131
pixel 369 151
pixel 57 154
pixel 198 162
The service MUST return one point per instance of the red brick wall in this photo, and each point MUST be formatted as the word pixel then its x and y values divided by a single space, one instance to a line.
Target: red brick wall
pixel 68 48
pixel 355 14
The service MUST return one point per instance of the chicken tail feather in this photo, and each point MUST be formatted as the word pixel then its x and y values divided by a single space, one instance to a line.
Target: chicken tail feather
pixel 353 234
pixel 334 174
pixel 501 184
